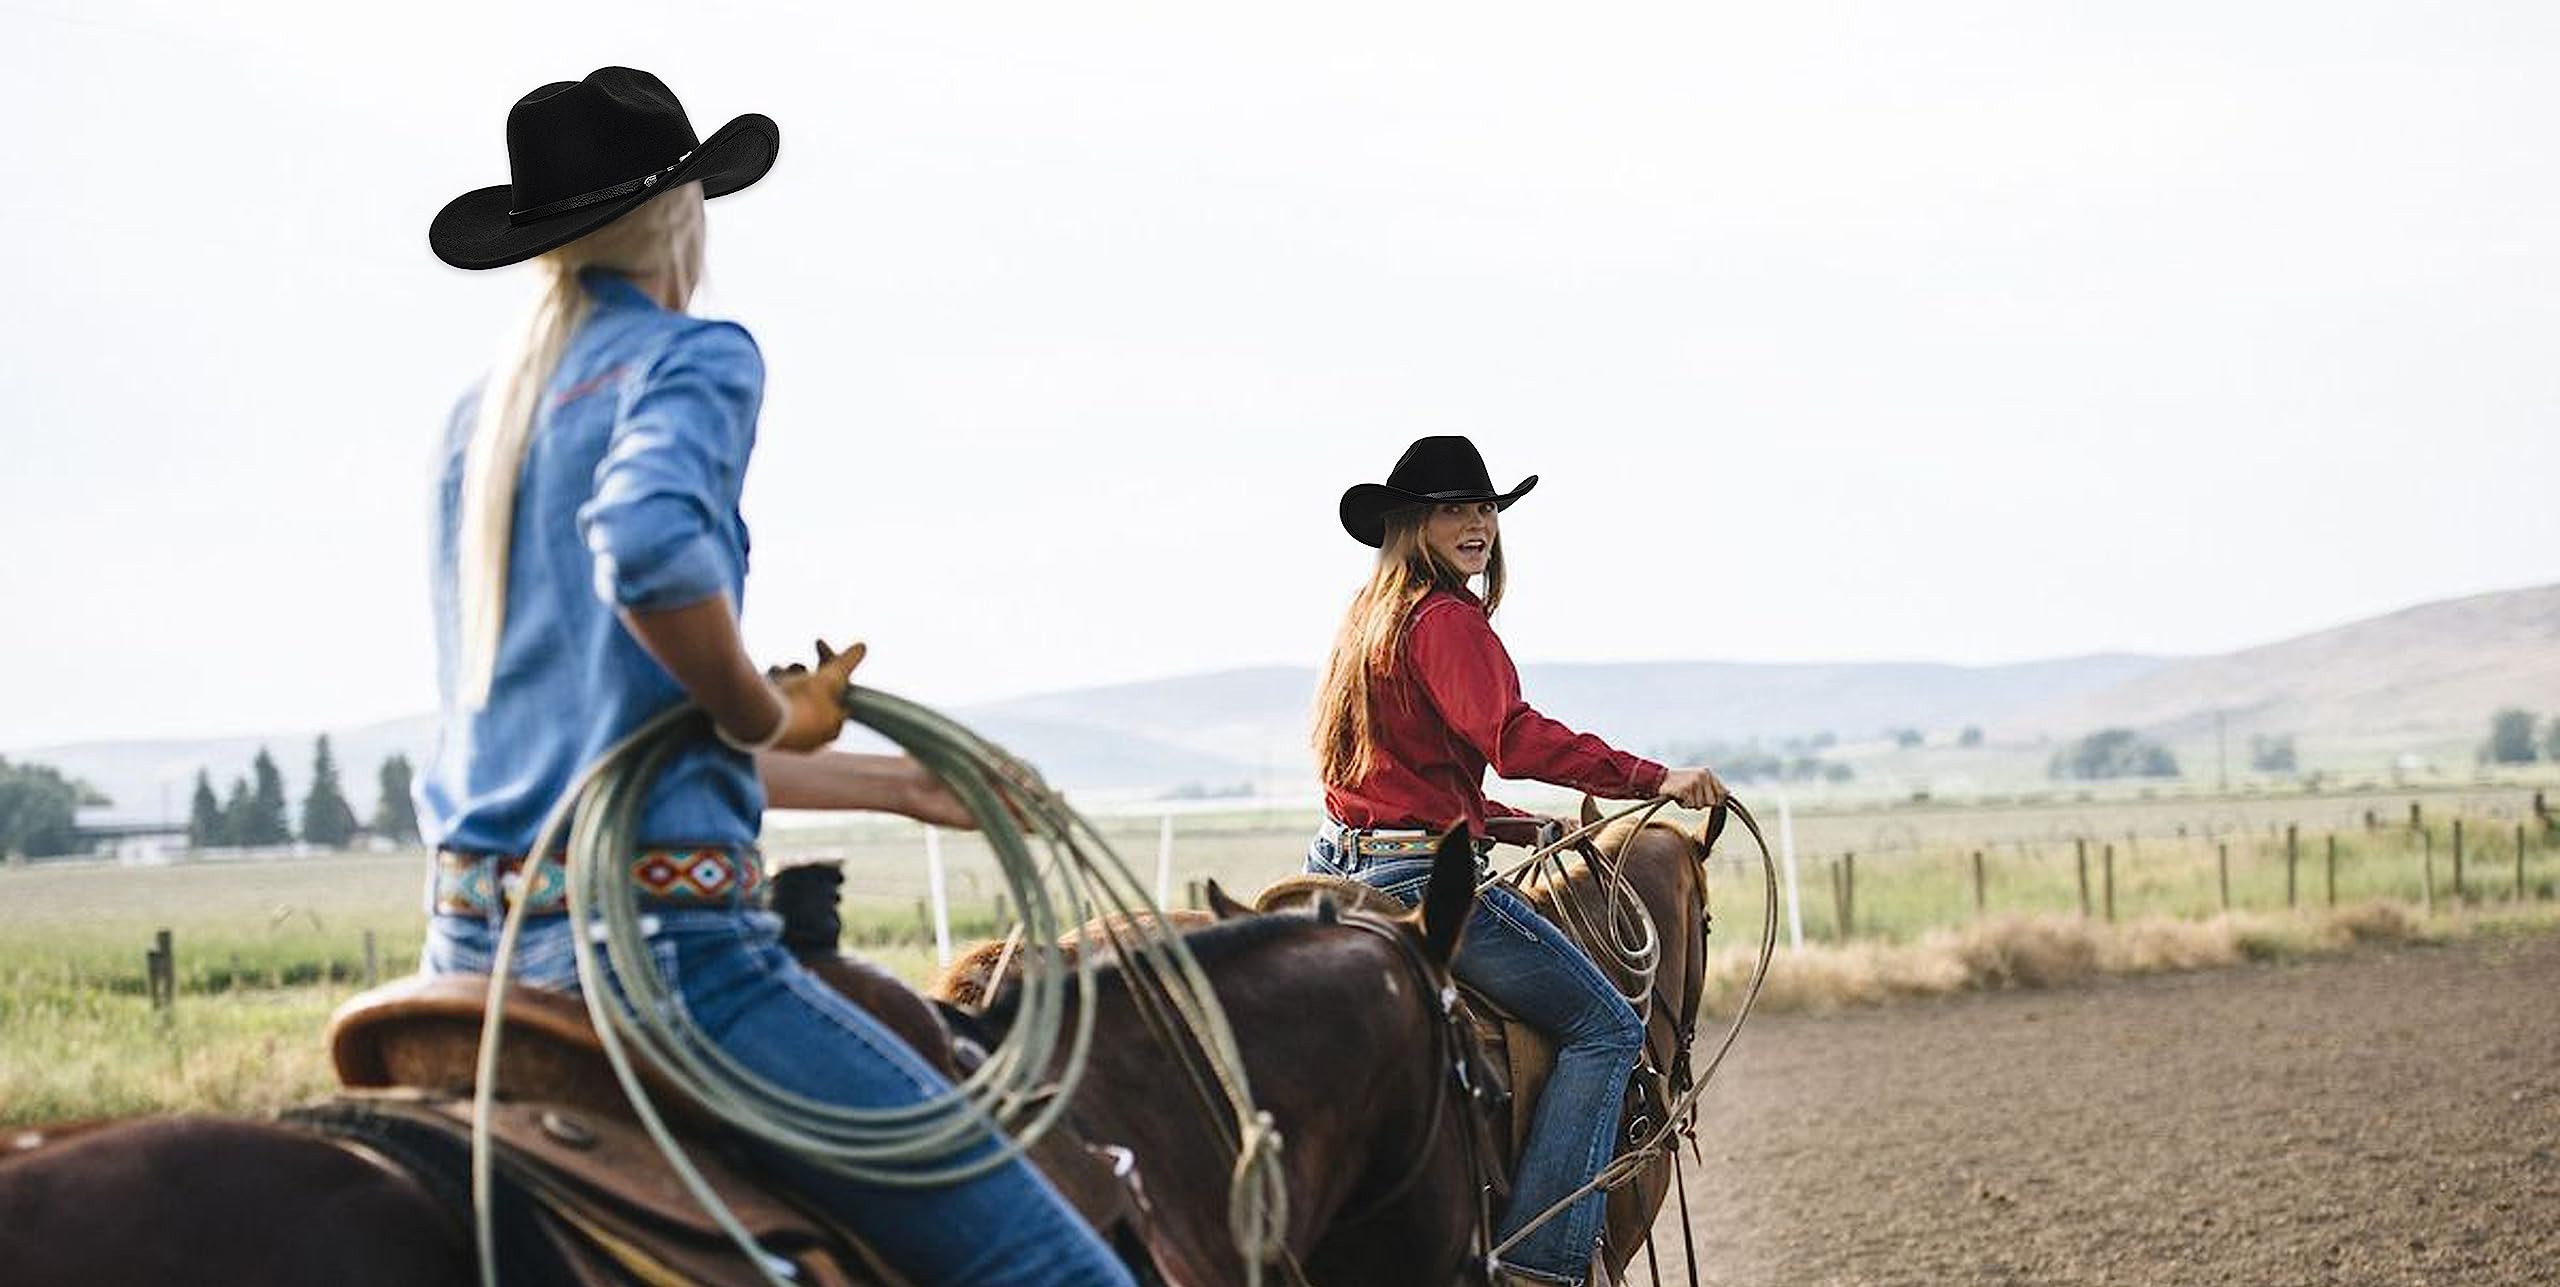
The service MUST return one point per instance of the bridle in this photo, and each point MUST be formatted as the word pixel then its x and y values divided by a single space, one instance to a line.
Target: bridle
pixel 1453 1049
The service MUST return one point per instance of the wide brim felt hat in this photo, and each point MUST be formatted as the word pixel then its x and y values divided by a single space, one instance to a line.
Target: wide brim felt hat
pixel 511 222
pixel 1441 470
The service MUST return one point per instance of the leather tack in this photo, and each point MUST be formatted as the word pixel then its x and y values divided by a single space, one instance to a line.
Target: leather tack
pixel 567 1129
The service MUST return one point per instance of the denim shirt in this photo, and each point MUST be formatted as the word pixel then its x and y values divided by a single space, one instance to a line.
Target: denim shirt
pixel 628 499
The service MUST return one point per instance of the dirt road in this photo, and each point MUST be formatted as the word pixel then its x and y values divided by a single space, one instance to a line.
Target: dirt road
pixel 2387 1117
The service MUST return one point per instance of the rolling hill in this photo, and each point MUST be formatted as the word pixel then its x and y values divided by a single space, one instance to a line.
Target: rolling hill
pixel 2426 675
pixel 2430 673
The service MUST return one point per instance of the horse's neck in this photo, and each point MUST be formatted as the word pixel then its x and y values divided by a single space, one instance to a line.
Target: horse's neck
pixel 1332 1053
pixel 1663 867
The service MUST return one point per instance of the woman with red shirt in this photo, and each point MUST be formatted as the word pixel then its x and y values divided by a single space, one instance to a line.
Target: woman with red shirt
pixel 1419 698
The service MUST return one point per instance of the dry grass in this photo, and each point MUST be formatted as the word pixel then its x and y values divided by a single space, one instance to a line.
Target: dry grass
pixel 2057 951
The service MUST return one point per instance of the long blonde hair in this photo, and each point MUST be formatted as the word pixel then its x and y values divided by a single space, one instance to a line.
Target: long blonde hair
pixel 1365 648
pixel 662 239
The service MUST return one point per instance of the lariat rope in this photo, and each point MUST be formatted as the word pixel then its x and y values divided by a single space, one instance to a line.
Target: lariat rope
pixel 1632 1162
pixel 984 1121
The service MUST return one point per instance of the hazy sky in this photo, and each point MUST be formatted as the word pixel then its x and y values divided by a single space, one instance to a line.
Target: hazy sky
pixel 1972 331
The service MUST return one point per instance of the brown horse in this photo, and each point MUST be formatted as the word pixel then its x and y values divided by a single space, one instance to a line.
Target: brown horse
pixel 1665 866
pixel 1341 1023
pixel 1338 1020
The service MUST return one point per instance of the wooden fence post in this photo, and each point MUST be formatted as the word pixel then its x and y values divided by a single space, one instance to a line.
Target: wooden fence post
pixel 2292 857
pixel 2457 862
pixel 2333 869
pixel 2080 852
pixel 1191 894
pixel 2222 871
pixel 2427 872
pixel 2414 824
pixel 2107 857
pixel 2520 861
pixel 372 962
pixel 1977 882
pixel 161 968
pixel 1839 921
pixel 1849 891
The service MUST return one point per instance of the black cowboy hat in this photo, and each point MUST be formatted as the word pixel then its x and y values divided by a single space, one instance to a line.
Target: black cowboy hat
pixel 584 153
pixel 1433 471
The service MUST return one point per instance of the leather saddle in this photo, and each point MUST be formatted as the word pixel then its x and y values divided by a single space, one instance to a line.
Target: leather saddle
pixel 603 1205
pixel 585 1195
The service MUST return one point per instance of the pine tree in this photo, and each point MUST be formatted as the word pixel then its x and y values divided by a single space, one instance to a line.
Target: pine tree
pixel 395 817
pixel 204 816
pixel 236 810
pixel 327 818
pixel 2510 737
pixel 269 824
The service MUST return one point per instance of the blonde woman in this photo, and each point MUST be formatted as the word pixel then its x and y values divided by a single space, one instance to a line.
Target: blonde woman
pixel 1418 699
pixel 590 564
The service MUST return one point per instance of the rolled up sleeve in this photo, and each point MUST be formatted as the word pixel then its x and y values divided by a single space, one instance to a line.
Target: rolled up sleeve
pixel 659 521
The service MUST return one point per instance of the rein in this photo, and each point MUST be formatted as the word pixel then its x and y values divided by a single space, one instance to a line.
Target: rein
pixel 1451 1045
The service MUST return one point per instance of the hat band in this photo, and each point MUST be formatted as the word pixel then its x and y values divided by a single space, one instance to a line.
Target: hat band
pixel 596 197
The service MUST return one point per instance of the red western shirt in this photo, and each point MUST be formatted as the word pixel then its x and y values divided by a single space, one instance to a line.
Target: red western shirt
pixel 1451 709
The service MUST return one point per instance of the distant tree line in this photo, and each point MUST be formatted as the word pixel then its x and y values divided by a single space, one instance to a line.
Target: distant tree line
pixel 1795 759
pixel 2269 753
pixel 2113 753
pixel 39 809
pixel 254 812
pixel 2511 739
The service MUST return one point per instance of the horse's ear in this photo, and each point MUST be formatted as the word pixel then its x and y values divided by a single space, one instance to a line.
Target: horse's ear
pixel 1450 897
pixel 1590 810
pixel 1227 908
pixel 1713 829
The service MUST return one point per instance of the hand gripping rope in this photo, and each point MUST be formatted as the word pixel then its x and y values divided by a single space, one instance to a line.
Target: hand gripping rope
pixel 1060 872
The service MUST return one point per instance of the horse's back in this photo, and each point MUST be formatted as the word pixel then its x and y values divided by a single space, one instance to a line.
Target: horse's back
pixel 198 1199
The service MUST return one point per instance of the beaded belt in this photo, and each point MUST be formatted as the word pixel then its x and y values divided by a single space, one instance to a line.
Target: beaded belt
pixel 1356 843
pixel 469 884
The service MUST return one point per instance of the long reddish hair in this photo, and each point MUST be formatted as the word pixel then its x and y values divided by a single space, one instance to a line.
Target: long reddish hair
pixel 1364 649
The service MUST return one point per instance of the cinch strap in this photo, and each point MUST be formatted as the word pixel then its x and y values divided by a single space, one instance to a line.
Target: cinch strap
pixel 567 204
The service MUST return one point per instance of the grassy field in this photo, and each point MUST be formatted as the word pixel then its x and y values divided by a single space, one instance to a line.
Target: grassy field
pixel 265 949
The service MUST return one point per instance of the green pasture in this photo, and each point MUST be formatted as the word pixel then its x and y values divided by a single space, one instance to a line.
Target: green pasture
pixel 264 950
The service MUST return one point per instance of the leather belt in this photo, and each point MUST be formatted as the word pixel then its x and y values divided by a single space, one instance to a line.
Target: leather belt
pixel 469 884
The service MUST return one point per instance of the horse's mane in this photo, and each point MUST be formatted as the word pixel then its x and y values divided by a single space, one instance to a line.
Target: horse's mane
pixel 1614 838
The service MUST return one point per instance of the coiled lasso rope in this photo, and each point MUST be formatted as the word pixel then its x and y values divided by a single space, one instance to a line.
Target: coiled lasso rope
pixel 1627 935
pixel 1663 1138
pixel 987 1119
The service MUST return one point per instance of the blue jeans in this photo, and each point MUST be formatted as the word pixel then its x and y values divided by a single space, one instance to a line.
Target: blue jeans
pixel 1525 964
pixel 746 993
